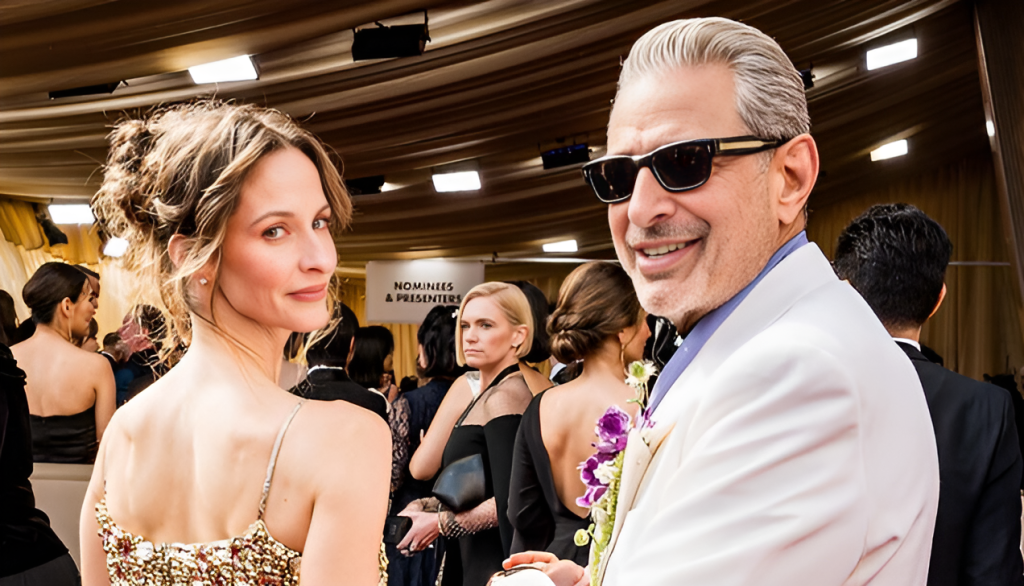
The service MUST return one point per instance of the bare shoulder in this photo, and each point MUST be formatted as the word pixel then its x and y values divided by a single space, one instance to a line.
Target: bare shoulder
pixel 340 441
pixel 343 421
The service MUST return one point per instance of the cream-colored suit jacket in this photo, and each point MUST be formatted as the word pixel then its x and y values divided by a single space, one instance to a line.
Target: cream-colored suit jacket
pixel 796 450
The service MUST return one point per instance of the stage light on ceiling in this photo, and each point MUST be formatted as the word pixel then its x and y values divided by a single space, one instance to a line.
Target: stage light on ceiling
pixel 365 185
pixel 456 181
pixel 71 214
pixel 563 246
pixel 565 156
pixel 238 68
pixel 115 247
pixel 87 90
pixel 388 186
pixel 892 54
pixel 990 128
pixel 389 42
pixel 896 148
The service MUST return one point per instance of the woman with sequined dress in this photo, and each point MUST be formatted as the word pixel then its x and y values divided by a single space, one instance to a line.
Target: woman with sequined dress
pixel 214 474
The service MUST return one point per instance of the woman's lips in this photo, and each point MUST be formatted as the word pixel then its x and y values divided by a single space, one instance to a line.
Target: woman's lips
pixel 310 293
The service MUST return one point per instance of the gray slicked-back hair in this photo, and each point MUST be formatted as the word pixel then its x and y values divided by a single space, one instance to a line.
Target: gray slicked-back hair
pixel 769 91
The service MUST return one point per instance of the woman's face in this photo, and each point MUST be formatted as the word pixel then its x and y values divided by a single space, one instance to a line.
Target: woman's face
pixel 488 337
pixel 633 340
pixel 81 312
pixel 278 254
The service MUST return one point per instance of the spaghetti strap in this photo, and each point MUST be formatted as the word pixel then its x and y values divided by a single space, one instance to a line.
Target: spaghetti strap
pixel 273 458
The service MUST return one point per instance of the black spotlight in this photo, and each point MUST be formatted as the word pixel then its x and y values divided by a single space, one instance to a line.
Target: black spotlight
pixel 88 90
pixel 387 42
pixel 565 156
pixel 808 76
pixel 51 231
pixel 365 185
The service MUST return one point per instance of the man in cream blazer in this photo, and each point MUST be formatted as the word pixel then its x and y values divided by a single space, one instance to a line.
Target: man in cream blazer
pixel 791 443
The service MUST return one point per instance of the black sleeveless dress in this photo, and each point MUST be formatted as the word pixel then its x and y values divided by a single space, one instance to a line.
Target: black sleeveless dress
pixel 65 439
pixel 541 521
pixel 481 553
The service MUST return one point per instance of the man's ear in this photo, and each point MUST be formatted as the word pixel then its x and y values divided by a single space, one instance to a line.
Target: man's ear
pixel 938 304
pixel 796 163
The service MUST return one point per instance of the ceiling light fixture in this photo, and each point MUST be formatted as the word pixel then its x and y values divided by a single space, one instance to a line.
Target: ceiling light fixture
pixel 239 68
pixel 990 128
pixel 892 54
pixel 71 214
pixel 896 148
pixel 115 247
pixel 456 181
pixel 562 246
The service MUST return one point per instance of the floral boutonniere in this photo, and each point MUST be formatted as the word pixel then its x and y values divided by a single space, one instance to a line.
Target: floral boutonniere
pixel 602 472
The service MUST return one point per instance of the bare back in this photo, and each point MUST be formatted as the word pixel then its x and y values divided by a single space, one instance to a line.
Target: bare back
pixel 63 379
pixel 185 462
pixel 568 414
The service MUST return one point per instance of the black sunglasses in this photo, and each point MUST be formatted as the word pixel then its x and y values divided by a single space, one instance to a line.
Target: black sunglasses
pixel 680 166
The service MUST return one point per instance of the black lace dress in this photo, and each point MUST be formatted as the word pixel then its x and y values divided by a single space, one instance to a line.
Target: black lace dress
pixel 479 555
pixel 540 519
pixel 411 414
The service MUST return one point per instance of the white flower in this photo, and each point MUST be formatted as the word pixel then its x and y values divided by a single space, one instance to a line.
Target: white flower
pixel 606 472
pixel 599 515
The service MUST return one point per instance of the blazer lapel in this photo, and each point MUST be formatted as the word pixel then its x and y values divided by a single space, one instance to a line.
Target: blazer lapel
pixel 640 450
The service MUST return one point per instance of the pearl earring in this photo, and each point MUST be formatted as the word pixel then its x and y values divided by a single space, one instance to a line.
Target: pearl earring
pixel 203 281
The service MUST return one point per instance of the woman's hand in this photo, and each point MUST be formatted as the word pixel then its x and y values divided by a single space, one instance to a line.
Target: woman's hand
pixel 423 532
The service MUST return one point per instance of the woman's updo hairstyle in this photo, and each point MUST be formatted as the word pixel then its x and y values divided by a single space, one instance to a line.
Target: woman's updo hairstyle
pixel 180 170
pixel 596 300
pixel 52 283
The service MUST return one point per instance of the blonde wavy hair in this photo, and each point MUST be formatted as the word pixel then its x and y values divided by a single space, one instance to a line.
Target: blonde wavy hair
pixel 180 170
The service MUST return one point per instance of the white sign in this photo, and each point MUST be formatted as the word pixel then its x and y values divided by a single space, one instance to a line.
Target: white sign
pixel 404 291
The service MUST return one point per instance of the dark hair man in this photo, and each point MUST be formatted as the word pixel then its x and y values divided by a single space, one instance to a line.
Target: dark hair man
pixel 896 257
pixel 789 440
pixel 327 379
pixel 114 350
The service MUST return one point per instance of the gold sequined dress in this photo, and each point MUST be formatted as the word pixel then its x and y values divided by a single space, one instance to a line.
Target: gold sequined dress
pixel 254 557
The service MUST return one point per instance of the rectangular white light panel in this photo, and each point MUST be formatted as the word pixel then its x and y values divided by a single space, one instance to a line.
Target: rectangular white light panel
pixel 71 214
pixel 891 54
pixel 234 69
pixel 460 181
pixel 896 148
pixel 115 247
pixel 563 246
pixel 990 128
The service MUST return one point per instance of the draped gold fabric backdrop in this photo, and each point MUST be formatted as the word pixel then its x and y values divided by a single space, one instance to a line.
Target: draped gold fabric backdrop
pixel 977 330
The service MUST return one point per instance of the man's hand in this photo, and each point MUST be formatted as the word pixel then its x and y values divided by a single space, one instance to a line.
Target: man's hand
pixel 561 572
pixel 423 532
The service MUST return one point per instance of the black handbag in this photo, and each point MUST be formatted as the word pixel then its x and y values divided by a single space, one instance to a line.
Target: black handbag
pixel 462 484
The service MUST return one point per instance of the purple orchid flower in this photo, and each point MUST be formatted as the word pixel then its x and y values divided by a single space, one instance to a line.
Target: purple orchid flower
pixel 591 496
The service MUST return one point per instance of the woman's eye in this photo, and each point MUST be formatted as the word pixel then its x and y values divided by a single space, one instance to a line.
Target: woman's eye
pixel 320 223
pixel 274 233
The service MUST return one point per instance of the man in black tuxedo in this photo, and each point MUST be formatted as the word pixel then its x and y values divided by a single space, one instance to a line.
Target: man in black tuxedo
pixel 327 379
pixel 896 257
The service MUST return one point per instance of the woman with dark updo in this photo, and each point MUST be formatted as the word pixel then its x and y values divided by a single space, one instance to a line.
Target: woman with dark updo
pixel 598 320
pixel 70 391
